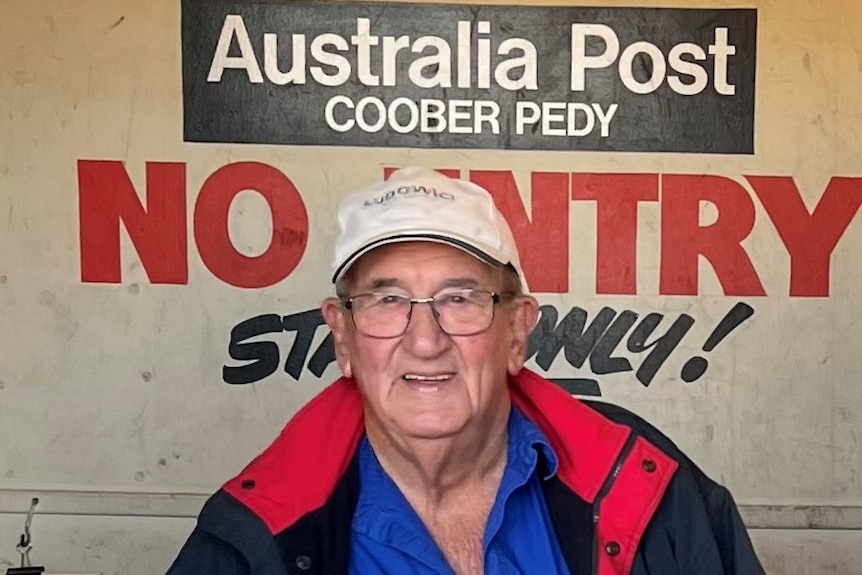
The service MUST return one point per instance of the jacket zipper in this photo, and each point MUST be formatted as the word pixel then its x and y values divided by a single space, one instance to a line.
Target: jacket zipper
pixel 606 487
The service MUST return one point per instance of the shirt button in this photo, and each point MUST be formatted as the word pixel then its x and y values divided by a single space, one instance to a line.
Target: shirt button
pixel 248 484
pixel 303 562
pixel 648 465
pixel 612 548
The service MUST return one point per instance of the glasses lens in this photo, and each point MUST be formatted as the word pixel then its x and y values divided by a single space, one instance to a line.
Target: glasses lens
pixel 381 315
pixel 464 312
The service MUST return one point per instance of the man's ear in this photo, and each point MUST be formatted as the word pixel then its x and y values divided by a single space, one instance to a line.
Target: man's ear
pixel 525 314
pixel 338 320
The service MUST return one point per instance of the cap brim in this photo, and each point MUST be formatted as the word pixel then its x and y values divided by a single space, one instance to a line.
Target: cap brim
pixel 454 242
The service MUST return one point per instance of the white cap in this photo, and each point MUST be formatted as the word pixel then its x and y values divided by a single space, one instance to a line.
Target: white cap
pixel 418 204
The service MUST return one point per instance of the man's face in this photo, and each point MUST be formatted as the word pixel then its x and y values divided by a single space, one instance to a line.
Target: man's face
pixel 425 383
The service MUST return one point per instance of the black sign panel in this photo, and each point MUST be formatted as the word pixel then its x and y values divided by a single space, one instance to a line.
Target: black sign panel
pixel 461 76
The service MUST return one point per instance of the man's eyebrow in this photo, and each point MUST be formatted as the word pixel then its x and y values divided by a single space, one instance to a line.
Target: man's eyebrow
pixel 460 282
pixel 465 282
pixel 378 283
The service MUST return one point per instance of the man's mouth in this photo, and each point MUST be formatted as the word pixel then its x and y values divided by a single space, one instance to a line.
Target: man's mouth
pixel 427 382
pixel 426 378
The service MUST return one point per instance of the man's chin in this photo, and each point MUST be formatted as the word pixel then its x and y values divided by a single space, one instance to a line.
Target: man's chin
pixel 431 426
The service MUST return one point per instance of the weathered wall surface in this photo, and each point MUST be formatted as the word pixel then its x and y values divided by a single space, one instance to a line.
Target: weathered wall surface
pixel 116 409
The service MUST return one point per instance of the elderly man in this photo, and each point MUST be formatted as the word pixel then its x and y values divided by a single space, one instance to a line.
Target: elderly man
pixel 437 452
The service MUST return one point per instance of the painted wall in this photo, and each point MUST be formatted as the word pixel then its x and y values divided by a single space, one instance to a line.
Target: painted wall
pixel 115 406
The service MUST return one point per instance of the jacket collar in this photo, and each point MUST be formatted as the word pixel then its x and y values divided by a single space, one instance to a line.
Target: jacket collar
pixel 586 443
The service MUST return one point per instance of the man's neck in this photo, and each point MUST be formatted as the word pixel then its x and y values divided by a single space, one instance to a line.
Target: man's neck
pixel 433 470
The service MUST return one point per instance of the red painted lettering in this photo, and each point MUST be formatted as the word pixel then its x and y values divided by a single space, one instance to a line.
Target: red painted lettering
pixel 809 238
pixel 106 196
pixel 683 239
pixel 157 226
pixel 616 197
pixel 289 225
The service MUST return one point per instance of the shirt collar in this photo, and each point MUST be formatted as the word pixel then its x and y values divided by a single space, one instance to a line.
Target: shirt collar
pixel 527 443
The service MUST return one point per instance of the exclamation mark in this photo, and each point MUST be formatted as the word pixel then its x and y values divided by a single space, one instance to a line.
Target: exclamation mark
pixel 696 366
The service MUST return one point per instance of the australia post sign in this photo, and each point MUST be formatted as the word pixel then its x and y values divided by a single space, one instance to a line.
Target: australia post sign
pixel 463 76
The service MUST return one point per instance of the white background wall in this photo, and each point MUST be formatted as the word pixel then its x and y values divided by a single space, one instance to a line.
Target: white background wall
pixel 112 406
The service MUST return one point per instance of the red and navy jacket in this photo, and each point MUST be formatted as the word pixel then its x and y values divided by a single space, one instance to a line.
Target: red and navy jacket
pixel 624 501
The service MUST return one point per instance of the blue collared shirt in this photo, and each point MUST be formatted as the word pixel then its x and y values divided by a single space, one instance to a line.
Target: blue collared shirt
pixel 389 538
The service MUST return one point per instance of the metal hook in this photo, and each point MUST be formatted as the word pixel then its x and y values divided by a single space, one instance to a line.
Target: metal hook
pixel 24 546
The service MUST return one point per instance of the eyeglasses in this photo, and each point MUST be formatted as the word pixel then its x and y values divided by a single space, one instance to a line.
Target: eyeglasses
pixel 461 311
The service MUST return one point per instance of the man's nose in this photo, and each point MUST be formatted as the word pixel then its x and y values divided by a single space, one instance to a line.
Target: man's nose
pixel 423 336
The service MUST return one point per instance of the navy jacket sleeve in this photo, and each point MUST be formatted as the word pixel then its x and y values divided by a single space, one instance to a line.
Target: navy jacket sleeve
pixel 204 553
pixel 228 540
pixel 697 531
pixel 736 549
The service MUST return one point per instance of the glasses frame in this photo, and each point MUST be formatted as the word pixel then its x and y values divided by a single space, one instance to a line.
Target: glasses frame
pixel 496 298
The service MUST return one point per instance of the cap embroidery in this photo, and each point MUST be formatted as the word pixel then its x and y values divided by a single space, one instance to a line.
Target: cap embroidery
pixel 409 191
